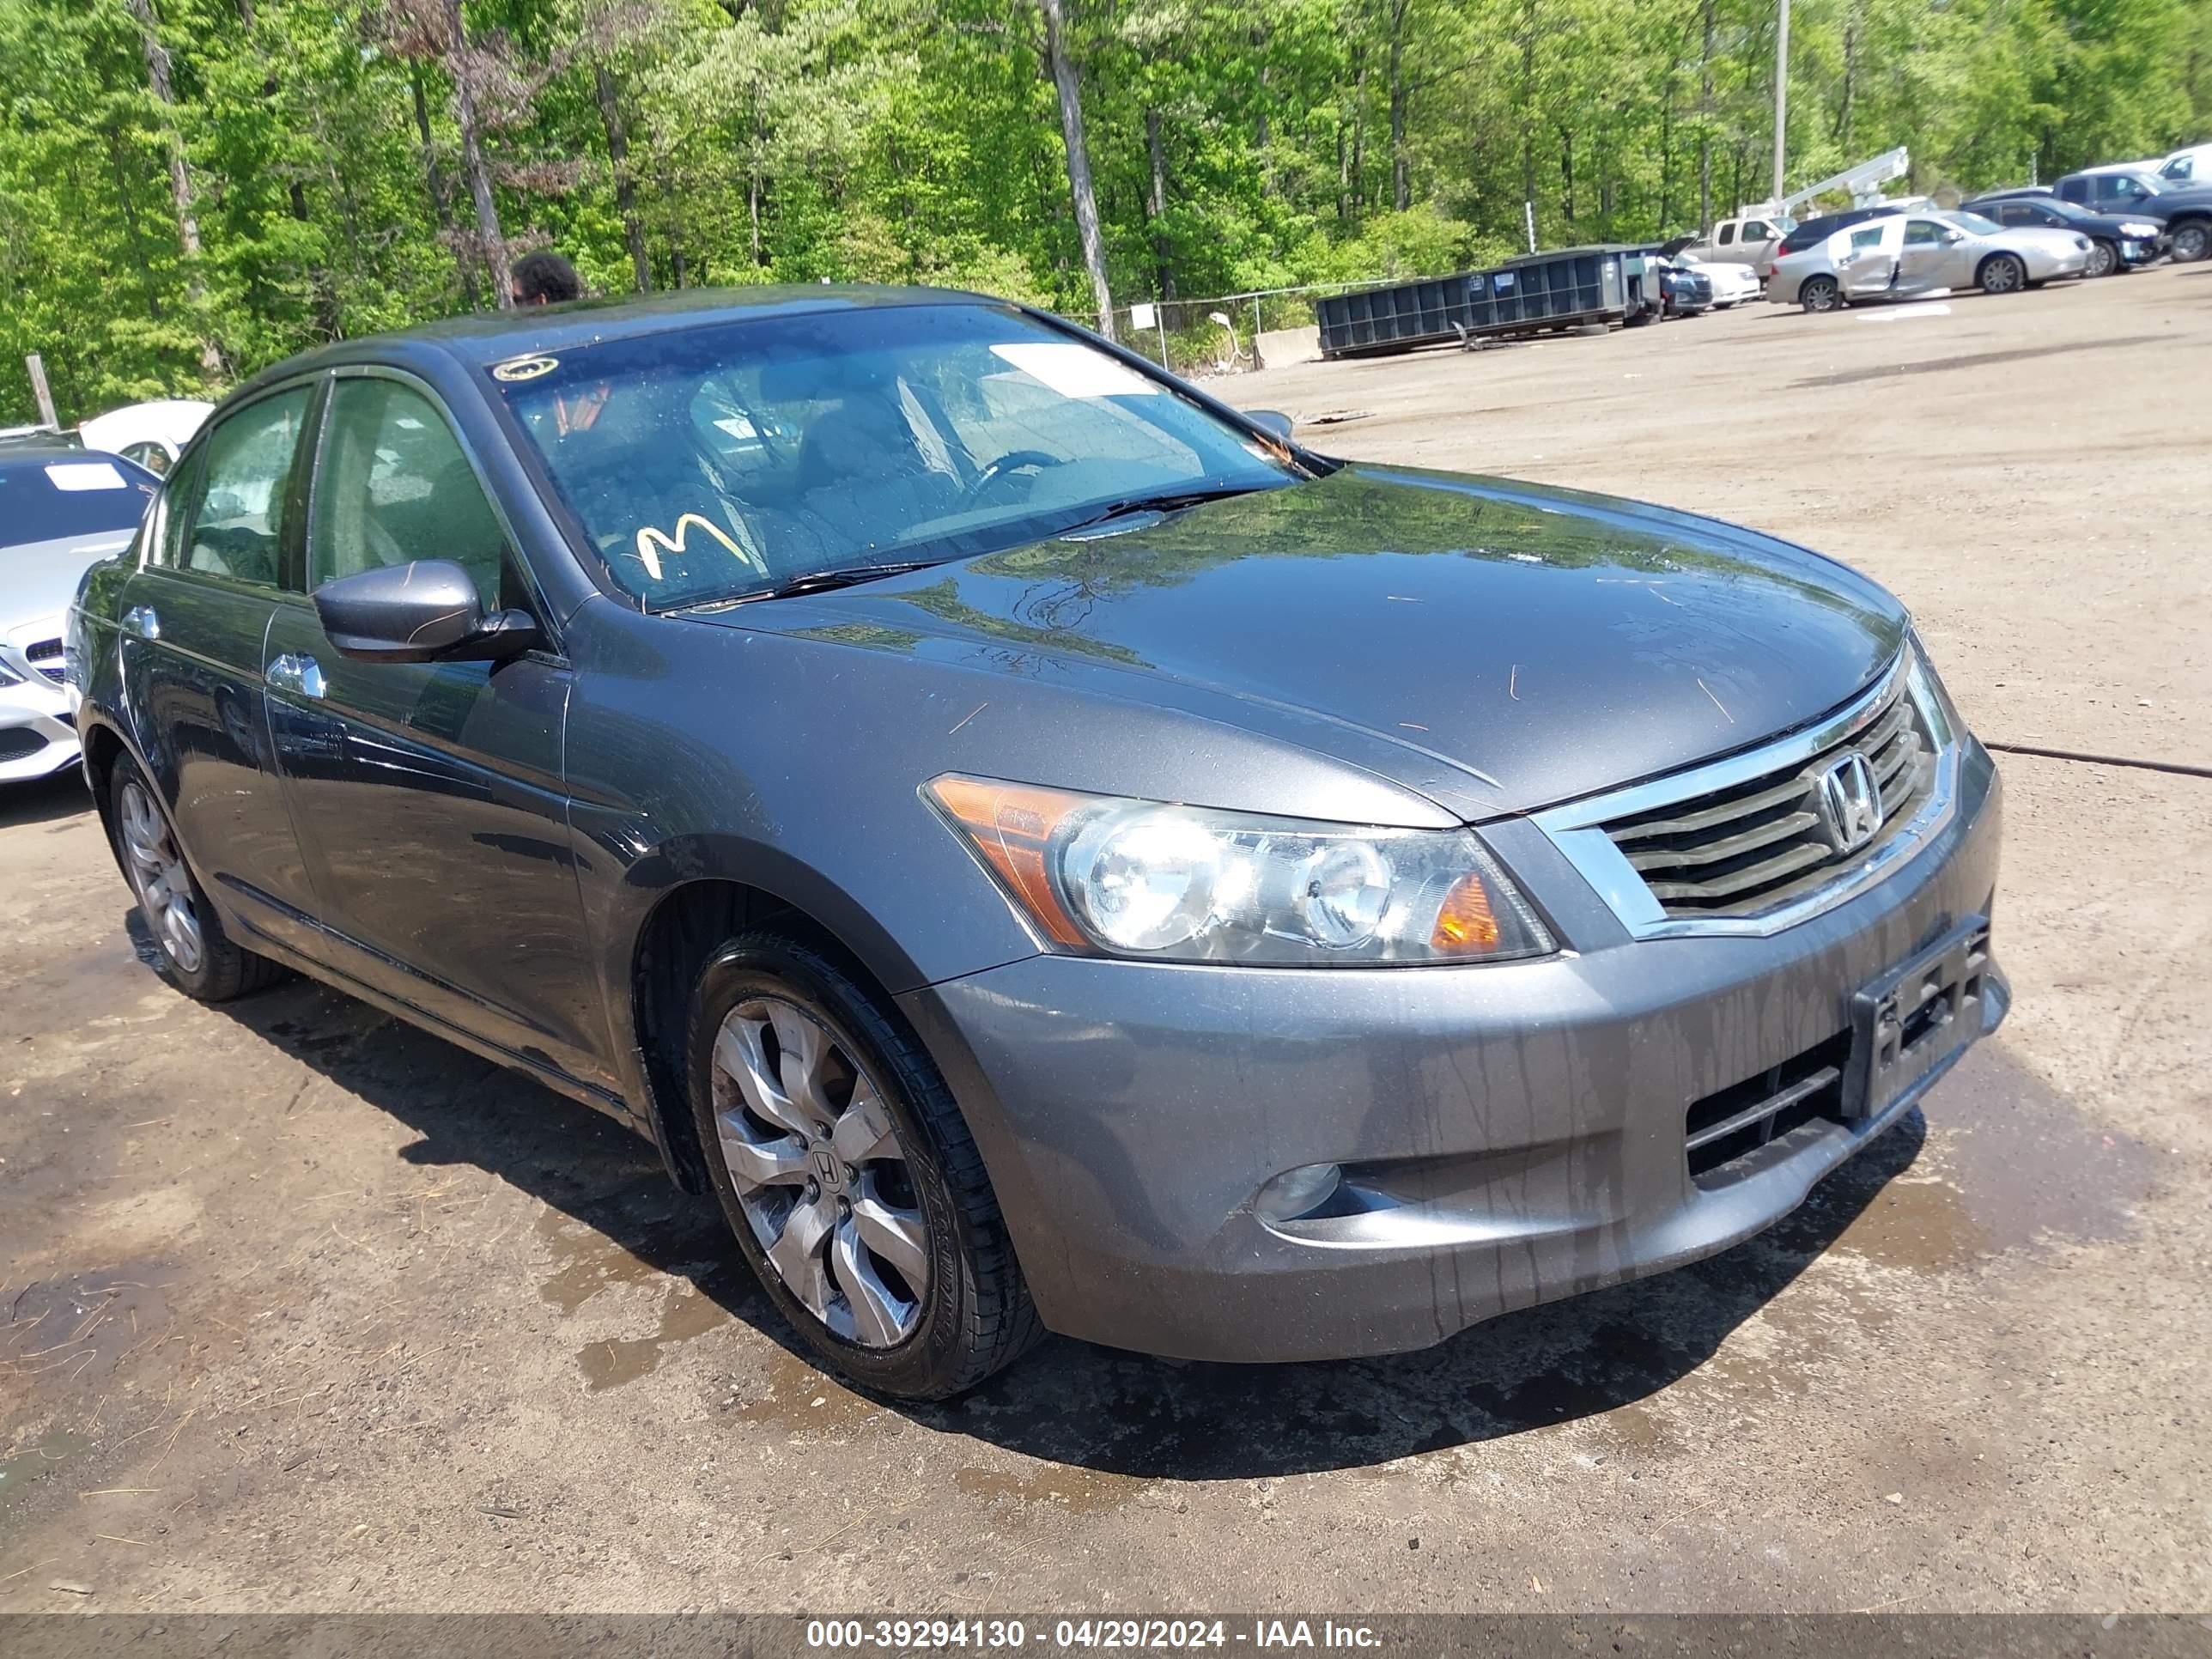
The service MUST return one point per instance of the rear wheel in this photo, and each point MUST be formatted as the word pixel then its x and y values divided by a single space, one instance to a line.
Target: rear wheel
pixel 1820 294
pixel 2193 240
pixel 196 955
pixel 2002 273
pixel 2104 259
pixel 844 1167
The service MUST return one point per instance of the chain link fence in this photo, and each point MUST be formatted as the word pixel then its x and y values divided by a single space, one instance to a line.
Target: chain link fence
pixel 1229 333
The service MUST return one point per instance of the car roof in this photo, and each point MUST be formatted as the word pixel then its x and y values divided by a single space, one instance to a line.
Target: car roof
pixel 24 456
pixel 480 338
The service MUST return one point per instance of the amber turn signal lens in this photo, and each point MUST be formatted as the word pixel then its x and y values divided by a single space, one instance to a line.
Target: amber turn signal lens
pixel 1465 922
pixel 1009 824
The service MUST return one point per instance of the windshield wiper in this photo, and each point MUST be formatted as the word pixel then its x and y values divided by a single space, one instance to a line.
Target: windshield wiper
pixel 820 581
pixel 1163 501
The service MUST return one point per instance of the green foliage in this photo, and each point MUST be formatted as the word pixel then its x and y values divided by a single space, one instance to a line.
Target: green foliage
pixel 1235 147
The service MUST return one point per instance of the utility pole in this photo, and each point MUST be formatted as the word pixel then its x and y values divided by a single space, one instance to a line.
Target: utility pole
pixel 1781 93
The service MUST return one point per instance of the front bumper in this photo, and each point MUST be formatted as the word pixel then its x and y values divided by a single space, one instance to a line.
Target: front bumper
pixel 2146 251
pixel 1529 1121
pixel 37 735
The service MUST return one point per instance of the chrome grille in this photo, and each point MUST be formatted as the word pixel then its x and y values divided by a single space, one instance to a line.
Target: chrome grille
pixel 1762 842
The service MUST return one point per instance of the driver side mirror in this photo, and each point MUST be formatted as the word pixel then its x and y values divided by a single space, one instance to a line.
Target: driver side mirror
pixel 425 611
pixel 1271 420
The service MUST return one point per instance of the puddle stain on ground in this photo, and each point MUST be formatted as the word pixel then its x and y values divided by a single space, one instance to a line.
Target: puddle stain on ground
pixel 685 1315
pixel 801 1398
pixel 2021 1164
pixel 1076 1491
pixel 586 1261
pixel 21 1473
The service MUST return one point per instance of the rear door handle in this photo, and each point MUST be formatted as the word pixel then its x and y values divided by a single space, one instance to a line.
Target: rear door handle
pixel 295 673
pixel 140 620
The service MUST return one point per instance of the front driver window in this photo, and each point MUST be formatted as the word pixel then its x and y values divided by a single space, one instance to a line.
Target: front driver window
pixel 234 520
pixel 393 485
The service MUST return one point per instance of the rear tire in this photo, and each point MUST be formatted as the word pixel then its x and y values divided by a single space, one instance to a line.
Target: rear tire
pixel 858 1197
pixel 2104 258
pixel 1820 294
pixel 197 956
pixel 2001 273
pixel 2192 241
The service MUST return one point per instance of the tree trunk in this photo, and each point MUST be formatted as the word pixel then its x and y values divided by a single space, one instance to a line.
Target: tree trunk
pixel 1706 124
pixel 1156 206
pixel 610 117
pixel 130 227
pixel 1359 131
pixel 1078 158
pixel 1566 175
pixel 1850 71
pixel 181 177
pixel 1401 166
pixel 439 202
pixel 1528 107
pixel 474 167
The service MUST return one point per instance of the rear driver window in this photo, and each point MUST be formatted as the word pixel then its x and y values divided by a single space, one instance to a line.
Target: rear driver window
pixel 393 486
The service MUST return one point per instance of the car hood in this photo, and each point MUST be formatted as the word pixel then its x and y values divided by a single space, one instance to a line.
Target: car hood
pixel 1543 643
pixel 38 580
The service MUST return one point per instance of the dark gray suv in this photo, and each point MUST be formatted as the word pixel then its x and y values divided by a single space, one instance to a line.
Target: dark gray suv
pixel 1044 849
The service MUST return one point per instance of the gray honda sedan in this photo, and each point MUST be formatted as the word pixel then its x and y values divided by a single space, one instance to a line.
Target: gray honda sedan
pixel 1046 851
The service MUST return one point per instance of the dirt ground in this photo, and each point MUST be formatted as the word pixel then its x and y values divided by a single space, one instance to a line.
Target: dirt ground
pixel 302 1310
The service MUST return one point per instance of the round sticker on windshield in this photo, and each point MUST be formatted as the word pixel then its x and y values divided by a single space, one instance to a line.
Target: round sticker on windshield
pixel 525 368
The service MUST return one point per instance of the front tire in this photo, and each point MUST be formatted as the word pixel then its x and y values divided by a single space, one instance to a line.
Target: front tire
pixel 197 956
pixel 1820 294
pixel 844 1169
pixel 2002 273
pixel 2104 258
pixel 2191 240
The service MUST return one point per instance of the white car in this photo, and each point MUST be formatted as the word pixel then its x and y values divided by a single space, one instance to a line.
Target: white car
pixel 1733 284
pixel 152 434
pixel 1903 256
pixel 2189 165
pixel 62 511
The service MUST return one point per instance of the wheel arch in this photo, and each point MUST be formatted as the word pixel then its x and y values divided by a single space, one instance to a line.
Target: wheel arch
pixel 682 929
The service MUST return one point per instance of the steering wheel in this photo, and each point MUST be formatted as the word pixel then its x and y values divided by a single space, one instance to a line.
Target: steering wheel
pixel 1014 461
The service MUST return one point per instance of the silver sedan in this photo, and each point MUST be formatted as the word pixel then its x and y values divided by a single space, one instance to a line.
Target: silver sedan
pixel 1907 256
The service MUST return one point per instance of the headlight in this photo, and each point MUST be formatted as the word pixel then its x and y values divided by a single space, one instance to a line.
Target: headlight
pixel 2137 230
pixel 1185 884
pixel 8 675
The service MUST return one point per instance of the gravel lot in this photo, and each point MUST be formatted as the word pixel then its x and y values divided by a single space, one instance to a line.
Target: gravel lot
pixel 303 1309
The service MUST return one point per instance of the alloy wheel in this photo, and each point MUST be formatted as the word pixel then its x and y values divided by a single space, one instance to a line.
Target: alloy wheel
pixel 2004 274
pixel 1820 294
pixel 2101 260
pixel 159 877
pixel 2192 241
pixel 820 1171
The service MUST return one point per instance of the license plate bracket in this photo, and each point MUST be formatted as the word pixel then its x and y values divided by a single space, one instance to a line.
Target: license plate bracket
pixel 1916 1016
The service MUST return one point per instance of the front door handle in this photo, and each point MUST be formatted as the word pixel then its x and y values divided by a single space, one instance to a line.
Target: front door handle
pixel 141 621
pixel 295 673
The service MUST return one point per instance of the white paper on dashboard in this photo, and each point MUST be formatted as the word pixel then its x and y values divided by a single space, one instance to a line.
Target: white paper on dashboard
pixel 1074 371
pixel 85 475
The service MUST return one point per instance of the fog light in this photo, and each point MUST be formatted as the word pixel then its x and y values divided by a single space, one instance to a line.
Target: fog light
pixel 1298 1191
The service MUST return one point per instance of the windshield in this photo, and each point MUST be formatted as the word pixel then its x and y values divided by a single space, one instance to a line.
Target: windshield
pixel 704 464
pixel 1973 223
pixel 55 496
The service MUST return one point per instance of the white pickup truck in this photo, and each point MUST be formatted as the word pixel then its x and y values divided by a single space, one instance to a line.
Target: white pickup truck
pixel 1743 241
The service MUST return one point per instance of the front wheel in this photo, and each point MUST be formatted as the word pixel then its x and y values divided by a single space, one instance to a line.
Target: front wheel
pixel 844 1167
pixel 1820 294
pixel 2104 259
pixel 2003 273
pixel 2192 241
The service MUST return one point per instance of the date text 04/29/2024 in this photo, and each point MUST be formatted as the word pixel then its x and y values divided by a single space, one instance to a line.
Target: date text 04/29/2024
pixel 1069 1634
